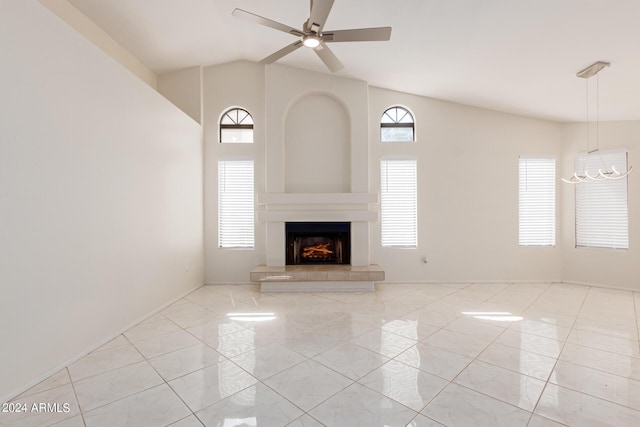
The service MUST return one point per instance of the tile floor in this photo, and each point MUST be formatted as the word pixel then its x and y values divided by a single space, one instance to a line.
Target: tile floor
pixel 407 355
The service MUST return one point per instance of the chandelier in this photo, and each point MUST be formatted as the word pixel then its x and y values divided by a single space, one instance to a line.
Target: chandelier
pixel 605 172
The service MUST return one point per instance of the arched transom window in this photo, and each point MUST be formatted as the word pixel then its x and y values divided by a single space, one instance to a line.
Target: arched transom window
pixel 236 126
pixel 397 124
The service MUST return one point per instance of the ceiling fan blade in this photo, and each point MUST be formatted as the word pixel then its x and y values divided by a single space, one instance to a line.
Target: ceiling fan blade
pixel 319 12
pixel 266 22
pixel 330 60
pixel 282 52
pixel 358 35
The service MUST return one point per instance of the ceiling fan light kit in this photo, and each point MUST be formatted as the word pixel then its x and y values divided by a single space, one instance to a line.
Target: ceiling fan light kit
pixel 311 41
pixel 313 36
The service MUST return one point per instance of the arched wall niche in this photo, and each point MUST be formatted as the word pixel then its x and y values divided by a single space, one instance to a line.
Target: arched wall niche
pixel 317 146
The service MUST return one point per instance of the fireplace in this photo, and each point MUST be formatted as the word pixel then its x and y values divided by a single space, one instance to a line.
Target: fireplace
pixel 318 243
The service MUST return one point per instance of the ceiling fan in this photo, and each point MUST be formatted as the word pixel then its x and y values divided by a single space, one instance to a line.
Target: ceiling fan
pixel 313 35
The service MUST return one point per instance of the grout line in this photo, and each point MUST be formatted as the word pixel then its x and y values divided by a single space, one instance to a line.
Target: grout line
pixel 551 372
pixel 372 303
pixel 637 313
pixel 557 358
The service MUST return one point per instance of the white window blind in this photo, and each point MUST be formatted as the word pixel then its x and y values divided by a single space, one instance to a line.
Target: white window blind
pixel 235 204
pixel 398 203
pixel 601 206
pixel 537 202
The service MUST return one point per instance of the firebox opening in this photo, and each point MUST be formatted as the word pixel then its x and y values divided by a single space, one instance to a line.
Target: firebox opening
pixel 318 242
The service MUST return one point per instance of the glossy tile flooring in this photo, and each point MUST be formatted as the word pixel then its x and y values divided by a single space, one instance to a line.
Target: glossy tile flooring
pixel 406 355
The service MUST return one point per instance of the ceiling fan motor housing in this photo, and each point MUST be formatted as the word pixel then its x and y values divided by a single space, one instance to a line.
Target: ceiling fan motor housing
pixel 312 35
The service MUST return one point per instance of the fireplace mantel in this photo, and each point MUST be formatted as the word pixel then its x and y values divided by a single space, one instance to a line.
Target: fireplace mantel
pixel 316 198
pixel 289 207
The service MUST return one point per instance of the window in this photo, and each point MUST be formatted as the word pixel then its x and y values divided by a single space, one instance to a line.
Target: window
pixel 396 125
pixel 398 203
pixel 235 204
pixel 601 206
pixel 236 125
pixel 537 202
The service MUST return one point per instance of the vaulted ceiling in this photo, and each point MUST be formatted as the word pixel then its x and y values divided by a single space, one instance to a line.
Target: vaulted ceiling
pixel 516 56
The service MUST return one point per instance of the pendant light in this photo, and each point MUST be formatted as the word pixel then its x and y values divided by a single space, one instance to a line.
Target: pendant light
pixel 606 172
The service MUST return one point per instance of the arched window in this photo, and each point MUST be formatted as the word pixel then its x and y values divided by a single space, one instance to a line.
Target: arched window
pixel 236 126
pixel 397 125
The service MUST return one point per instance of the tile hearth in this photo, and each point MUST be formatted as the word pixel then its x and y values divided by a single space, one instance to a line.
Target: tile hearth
pixel 317 278
pixel 406 355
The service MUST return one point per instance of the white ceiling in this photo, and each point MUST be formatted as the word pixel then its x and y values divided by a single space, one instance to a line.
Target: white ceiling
pixel 518 56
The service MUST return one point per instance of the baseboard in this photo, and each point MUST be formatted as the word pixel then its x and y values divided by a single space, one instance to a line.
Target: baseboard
pixel 419 282
pixel 468 282
pixel 599 285
pixel 74 359
pixel 229 283
pixel 531 282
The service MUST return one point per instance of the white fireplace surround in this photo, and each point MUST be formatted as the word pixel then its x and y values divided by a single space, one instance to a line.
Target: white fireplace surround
pixel 316 169
pixel 276 209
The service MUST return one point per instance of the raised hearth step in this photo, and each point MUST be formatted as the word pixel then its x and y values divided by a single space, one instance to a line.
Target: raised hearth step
pixel 317 273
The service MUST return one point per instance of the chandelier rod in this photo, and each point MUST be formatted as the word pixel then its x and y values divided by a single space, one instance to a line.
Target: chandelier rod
pixel 603 174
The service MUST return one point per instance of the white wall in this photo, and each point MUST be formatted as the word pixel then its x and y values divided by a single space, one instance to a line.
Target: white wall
pixel 467 192
pixel 317 146
pixel 89 29
pixel 100 196
pixel 468 174
pixel 608 267
pixel 184 89
pixel 237 84
pixel 284 87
